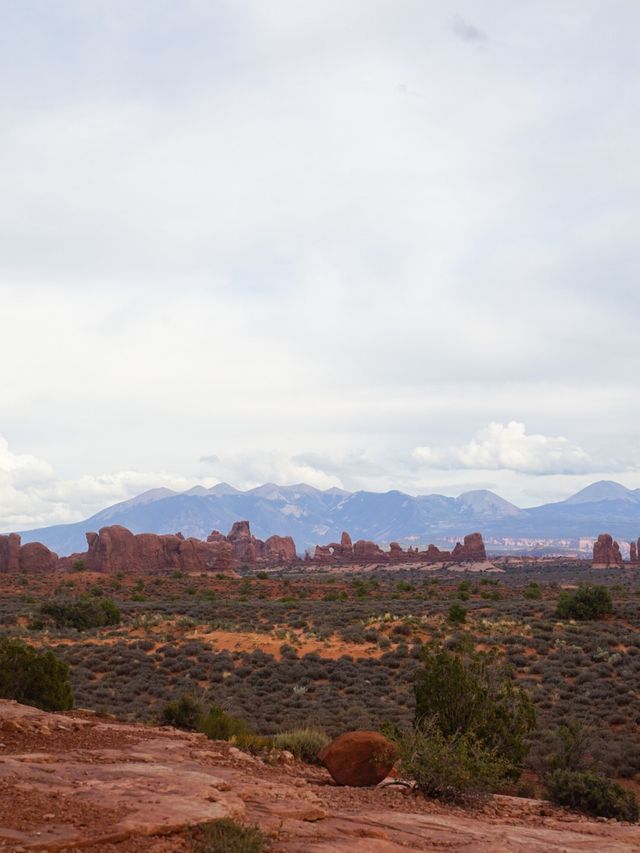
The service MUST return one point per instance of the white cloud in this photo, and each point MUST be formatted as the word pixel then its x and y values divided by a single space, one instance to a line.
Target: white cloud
pixel 507 446
pixel 253 468
pixel 32 494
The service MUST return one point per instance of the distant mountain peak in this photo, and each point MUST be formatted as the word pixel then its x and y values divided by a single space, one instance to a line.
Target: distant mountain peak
pixel 603 490
pixel 223 489
pixel 483 501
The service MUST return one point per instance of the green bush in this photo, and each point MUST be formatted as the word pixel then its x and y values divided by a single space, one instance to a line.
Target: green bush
pixel 183 713
pixel 216 724
pixel 450 768
pixel 469 692
pixel 457 615
pixel 593 794
pixel 533 591
pixel 33 677
pixel 587 602
pixel 85 612
pixel 305 744
pixel 572 743
pixel 187 713
pixel 226 836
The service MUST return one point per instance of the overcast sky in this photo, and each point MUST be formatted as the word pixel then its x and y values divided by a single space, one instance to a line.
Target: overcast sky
pixel 368 243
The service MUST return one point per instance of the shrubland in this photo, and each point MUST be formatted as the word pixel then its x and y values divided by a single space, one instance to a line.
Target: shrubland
pixel 300 652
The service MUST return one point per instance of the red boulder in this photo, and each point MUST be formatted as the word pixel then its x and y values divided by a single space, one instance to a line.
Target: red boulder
pixel 359 758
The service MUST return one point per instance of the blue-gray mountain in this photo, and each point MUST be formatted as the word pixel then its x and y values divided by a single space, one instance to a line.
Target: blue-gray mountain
pixel 315 517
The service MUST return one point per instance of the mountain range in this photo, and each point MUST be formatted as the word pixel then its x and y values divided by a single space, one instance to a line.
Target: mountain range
pixel 313 516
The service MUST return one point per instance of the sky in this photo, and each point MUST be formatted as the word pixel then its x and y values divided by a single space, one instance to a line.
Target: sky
pixel 361 243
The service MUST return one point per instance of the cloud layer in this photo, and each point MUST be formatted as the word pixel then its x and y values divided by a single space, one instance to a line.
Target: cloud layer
pixel 309 238
pixel 507 446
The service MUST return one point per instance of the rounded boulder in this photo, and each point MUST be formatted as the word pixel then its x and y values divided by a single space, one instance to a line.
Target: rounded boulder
pixel 359 759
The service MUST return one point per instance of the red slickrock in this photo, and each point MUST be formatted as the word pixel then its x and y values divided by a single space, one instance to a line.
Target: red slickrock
pixel 359 759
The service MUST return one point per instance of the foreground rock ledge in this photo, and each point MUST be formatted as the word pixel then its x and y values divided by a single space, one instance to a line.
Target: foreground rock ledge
pixel 70 782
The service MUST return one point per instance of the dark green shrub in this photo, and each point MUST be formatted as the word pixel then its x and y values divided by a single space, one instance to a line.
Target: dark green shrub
pixel 587 602
pixel 184 713
pixel 226 836
pixel 450 768
pixel 573 741
pixel 533 591
pixel 216 724
pixel 85 612
pixel 457 615
pixel 34 678
pixel 470 692
pixel 593 794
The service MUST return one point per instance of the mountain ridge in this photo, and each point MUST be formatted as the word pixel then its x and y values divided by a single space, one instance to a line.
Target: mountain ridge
pixel 315 516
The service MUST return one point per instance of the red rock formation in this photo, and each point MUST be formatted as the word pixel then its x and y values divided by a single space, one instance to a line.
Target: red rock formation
pixel 335 552
pixel 246 548
pixel 36 557
pixel 116 549
pixel 606 552
pixel 10 553
pixel 194 555
pixel 346 545
pixel 359 758
pixel 32 557
pixel 367 552
pixel 435 555
pixel 633 555
pixel 279 549
pixel 363 551
pixel 473 549
pixel 323 554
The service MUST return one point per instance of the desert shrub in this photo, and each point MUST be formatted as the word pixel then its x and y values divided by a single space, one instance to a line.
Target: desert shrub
pixel 33 677
pixel 591 793
pixel 532 591
pixel 573 741
pixel 457 615
pixel 226 836
pixel 85 612
pixel 451 767
pixel 587 602
pixel 470 692
pixel 305 744
pixel 183 713
pixel 216 724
